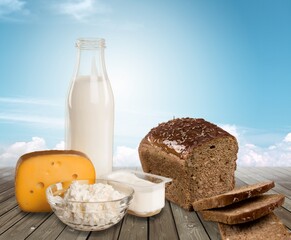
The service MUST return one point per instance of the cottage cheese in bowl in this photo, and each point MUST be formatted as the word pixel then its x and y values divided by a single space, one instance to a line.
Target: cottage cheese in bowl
pixel 90 207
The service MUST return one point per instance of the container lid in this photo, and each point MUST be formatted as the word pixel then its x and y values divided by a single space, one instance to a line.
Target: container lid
pixel 138 179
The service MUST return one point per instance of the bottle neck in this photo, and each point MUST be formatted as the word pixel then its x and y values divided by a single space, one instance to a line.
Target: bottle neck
pixel 90 58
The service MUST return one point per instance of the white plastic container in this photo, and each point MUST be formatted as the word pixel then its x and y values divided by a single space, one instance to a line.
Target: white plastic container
pixel 149 191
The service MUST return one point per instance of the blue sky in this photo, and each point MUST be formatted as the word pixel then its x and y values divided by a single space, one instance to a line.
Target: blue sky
pixel 226 61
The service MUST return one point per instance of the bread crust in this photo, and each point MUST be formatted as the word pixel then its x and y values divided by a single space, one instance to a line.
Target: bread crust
pixel 245 211
pixel 236 195
pixel 179 136
pixel 267 227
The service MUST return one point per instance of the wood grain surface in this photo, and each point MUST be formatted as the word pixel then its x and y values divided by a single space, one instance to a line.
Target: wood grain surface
pixel 172 223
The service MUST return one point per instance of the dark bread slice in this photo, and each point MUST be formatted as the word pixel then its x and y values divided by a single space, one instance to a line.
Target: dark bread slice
pixel 233 196
pixel 245 211
pixel 267 227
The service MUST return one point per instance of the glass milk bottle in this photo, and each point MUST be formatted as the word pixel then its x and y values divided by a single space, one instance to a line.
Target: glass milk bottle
pixel 90 115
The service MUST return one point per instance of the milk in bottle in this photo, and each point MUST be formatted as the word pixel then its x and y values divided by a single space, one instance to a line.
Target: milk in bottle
pixel 90 107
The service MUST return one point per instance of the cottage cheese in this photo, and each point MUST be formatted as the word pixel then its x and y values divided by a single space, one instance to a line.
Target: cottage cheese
pixel 84 204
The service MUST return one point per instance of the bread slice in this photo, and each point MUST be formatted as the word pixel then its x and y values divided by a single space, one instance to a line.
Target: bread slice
pixel 267 227
pixel 245 211
pixel 199 156
pixel 233 196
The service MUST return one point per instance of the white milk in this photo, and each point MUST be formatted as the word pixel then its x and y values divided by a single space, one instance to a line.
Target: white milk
pixel 90 121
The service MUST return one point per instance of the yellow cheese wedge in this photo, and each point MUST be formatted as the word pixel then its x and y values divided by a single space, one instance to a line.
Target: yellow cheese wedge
pixel 37 170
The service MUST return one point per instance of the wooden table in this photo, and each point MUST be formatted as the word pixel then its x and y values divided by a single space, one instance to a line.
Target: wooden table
pixel 172 223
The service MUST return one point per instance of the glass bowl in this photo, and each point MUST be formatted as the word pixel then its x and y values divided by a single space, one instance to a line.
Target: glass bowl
pixel 88 215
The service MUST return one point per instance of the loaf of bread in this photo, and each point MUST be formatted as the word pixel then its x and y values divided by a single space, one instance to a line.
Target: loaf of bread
pixel 267 227
pixel 199 156
pixel 245 211
pixel 236 195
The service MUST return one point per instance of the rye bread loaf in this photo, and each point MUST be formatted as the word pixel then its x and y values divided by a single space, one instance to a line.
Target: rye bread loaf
pixel 267 227
pixel 245 211
pixel 236 195
pixel 199 156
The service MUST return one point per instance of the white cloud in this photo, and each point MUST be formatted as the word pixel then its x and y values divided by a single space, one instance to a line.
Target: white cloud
pixel 60 146
pixel 278 154
pixel 82 10
pixel 10 155
pixel 126 157
pixel 250 154
pixel 232 129
pixel 287 138
pixel 9 7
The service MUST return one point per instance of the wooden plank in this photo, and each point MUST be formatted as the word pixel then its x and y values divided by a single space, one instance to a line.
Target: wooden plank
pixel 6 179
pixel 286 181
pixel 6 170
pixel 285 170
pixel 278 177
pixel 188 224
pixel 108 234
pixel 6 176
pixel 266 176
pixel 8 219
pixel 7 194
pixel 71 234
pixel 162 226
pixel 280 170
pixel 8 205
pixel 172 223
pixel 50 229
pixel 251 178
pixel 282 213
pixel 211 228
pixel 239 183
pixel 284 216
pixel 248 177
pixel 25 226
pixel 133 228
pixel 273 174
pixel 6 185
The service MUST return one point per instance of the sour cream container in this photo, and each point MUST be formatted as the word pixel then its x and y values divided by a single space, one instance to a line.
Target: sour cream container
pixel 149 191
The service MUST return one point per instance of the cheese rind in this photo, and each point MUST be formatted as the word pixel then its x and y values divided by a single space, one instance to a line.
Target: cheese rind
pixel 37 170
